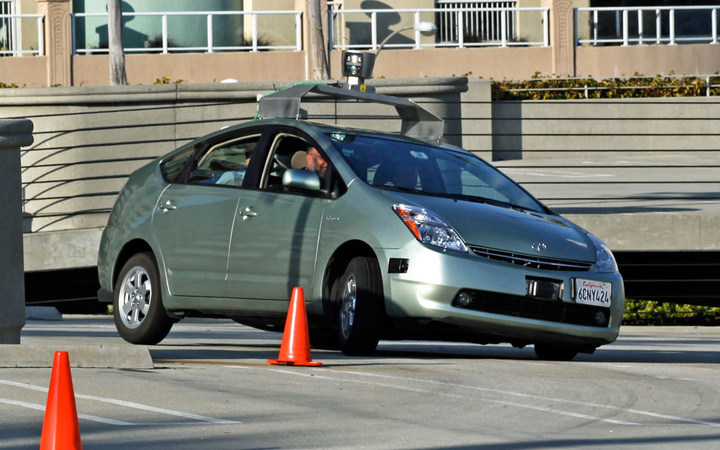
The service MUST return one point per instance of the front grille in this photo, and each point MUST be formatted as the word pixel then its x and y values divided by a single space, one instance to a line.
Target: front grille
pixel 531 308
pixel 531 261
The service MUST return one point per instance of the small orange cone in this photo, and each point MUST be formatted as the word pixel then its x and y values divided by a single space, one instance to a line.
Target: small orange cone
pixel 295 347
pixel 60 426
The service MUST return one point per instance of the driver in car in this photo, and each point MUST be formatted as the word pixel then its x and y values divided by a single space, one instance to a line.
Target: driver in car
pixel 316 162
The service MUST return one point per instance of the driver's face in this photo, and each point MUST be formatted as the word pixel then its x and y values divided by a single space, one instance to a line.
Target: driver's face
pixel 315 162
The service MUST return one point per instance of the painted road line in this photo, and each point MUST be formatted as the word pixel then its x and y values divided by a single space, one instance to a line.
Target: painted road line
pixel 538 397
pixel 196 418
pixel 445 394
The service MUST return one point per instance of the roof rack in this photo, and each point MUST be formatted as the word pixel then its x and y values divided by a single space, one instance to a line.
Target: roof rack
pixel 416 121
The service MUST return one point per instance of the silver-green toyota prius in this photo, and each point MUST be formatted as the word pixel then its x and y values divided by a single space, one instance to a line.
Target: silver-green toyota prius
pixel 390 236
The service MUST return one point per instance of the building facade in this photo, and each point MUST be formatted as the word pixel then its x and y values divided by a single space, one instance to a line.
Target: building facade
pixel 63 42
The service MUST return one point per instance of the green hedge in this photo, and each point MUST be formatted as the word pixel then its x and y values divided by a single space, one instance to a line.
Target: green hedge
pixel 546 88
pixel 644 312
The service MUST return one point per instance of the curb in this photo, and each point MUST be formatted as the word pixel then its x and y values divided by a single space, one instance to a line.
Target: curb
pixel 83 356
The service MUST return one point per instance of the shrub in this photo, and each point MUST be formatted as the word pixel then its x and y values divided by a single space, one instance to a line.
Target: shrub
pixel 166 80
pixel 644 312
pixel 546 88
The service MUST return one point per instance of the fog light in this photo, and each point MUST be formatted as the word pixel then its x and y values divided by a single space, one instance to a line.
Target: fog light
pixel 463 299
pixel 601 318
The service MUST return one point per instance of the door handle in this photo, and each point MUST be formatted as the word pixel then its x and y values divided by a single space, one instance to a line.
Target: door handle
pixel 168 206
pixel 248 213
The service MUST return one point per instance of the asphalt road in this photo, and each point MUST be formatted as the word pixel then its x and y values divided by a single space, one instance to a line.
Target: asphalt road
pixel 656 387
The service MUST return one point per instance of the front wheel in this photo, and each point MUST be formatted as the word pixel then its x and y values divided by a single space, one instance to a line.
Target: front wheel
pixel 139 314
pixel 358 296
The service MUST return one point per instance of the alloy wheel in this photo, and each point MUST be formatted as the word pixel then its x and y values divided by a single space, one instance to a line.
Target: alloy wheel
pixel 136 293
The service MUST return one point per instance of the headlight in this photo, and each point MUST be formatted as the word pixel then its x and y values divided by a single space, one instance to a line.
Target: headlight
pixel 605 261
pixel 429 228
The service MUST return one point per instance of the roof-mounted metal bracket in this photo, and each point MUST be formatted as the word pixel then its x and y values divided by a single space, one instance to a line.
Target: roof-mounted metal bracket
pixel 416 121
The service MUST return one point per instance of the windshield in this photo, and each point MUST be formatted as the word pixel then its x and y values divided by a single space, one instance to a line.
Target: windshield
pixel 410 167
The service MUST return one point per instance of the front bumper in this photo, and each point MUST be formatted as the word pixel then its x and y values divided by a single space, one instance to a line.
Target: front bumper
pixel 426 291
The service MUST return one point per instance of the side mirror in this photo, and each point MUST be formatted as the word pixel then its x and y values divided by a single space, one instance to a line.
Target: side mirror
pixel 301 179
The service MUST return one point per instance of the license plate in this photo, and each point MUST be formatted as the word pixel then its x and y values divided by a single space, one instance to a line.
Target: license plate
pixel 591 292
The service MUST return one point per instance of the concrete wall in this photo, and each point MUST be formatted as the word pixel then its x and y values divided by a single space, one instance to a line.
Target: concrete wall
pixel 26 71
pixel 616 61
pixel 641 174
pixel 195 68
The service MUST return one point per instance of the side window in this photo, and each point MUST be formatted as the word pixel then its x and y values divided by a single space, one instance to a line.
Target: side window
pixel 288 152
pixel 173 166
pixel 292 152
pixel 225 163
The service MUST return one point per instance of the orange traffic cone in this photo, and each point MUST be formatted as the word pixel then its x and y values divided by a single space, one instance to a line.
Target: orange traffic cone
pixel 295 347
pixel 60 426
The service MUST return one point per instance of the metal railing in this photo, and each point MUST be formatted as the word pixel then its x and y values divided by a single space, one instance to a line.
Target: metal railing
pixel 503 37
pixel 10 41
pixel 481 21
pixel 650 25
pixel 253 45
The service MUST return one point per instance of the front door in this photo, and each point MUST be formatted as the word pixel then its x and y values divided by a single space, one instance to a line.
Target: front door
pixel 275 239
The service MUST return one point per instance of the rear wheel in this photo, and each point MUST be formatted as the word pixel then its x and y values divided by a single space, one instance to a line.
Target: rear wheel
pixel 358 296
pixel 139 314
pixel 555 352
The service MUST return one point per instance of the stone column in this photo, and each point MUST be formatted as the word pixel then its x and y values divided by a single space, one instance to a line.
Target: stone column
pixel 562 36
pixel 13 135
pixel 58 40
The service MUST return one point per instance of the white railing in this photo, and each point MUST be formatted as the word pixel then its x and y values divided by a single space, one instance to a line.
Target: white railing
pixel 210 46
pixel 481 21
pixel 503 38
pixel 10 42
pixel 649 25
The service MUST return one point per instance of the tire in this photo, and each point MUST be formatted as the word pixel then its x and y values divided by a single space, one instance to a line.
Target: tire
pixel 139 314
pixel 358 297
pixel 554 352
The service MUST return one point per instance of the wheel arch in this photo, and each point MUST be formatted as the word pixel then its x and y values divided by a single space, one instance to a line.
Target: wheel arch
pixel 129 249
pixel 336 266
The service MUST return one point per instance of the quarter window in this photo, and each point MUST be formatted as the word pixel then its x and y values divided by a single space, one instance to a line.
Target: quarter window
pixel 173 165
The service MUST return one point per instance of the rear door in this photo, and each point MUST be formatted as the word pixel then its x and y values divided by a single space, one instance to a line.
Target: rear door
pixel 194 219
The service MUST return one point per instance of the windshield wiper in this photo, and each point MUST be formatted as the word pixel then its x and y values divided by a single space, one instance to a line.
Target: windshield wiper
pixel 473 199
pixel 464 197
pixel 403 189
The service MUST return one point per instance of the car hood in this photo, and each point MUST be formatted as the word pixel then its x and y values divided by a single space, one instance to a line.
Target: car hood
pixel 516 231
